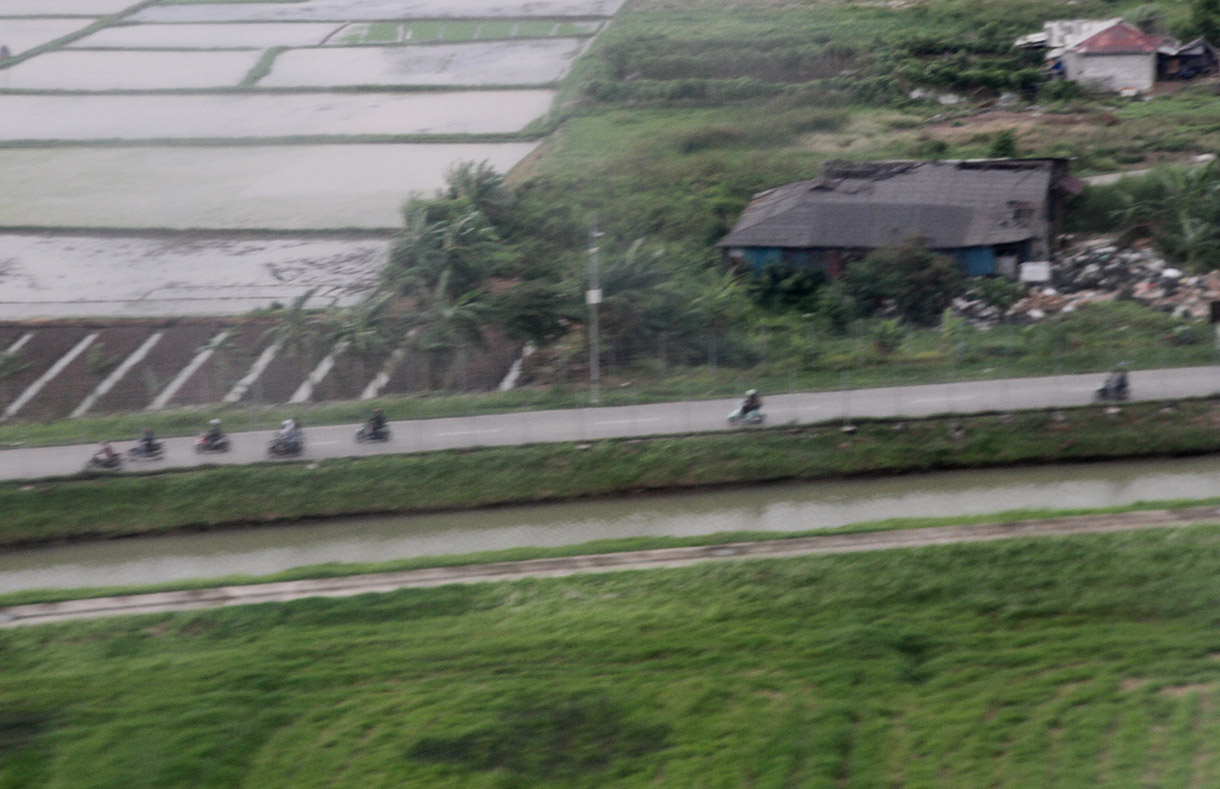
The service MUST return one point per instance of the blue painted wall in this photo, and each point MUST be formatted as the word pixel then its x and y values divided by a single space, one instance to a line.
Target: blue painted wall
pixel 973 261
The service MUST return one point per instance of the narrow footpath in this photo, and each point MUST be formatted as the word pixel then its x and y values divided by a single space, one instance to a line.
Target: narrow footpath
pixel 280 592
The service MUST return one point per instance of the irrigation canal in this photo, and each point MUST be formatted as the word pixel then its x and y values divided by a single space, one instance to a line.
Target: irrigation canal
pixel 773 508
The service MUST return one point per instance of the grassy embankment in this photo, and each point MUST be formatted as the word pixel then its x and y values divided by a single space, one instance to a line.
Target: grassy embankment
pixel 1089 661
pixel 452 480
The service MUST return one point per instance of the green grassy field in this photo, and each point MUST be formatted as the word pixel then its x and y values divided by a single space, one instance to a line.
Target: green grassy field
pixel 109 507
pixel 1089 661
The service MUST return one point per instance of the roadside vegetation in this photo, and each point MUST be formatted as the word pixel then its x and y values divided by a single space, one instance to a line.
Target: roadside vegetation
pixel 1028 662
pixel 1176 208
pixel 103 507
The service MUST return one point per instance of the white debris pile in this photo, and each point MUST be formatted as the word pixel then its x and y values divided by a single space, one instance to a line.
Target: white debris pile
pixel 1101 271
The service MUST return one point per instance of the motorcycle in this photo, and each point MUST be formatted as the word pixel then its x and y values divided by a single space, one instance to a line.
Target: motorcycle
pixel 204 444
pixel 367 433
pixel 142 451
pixel 285 446
pixel 1114 389
pixel 100 462
pixel 755 417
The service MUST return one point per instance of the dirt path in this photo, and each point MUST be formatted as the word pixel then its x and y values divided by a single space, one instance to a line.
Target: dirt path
pixel 159 602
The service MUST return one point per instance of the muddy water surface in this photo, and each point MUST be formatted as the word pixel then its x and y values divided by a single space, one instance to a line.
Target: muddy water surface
pixel 770 508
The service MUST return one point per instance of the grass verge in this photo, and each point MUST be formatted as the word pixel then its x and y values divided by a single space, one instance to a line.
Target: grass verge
pixel 1072 662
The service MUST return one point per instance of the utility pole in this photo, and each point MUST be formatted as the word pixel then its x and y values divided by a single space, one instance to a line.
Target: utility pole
pixel 593 297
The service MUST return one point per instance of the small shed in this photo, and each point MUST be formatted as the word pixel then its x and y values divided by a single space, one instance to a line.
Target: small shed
pixel 1186 61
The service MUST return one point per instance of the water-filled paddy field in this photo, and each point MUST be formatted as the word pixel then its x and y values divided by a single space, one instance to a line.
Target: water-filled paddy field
pixel 160 121
pixel 117 70
pixel 532 62
pixel 262 35
pixel 205 36
pixel 20 35
pixel 346 10
pixel 63 7
pixel 284 187
pixel 215 116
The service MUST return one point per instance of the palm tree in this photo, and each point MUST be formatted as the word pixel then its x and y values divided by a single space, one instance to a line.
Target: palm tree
pixel 445 329
pixel 482 186
pixel 440 238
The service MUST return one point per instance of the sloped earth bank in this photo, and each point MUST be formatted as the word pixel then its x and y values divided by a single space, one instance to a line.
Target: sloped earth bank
pixel 100 366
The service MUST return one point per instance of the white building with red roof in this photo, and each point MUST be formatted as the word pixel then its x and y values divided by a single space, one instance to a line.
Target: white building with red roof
pixel 1122 58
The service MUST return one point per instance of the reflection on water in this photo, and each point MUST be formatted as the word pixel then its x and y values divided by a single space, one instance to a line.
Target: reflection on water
pixel 794 507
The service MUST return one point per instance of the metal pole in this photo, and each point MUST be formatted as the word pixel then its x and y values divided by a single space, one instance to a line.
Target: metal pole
pixel 593 297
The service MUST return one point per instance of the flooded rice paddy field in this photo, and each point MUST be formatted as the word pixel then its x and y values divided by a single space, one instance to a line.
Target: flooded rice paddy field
pixel 370 10
pixel 190 146
pixel 532 62
pixel 63 7
pixel 212 36
pixel 458 31
pixel 282 187
pixel 95 276
pixel 119 70
pixel 20 35
pixel 120 117
pixel 262 35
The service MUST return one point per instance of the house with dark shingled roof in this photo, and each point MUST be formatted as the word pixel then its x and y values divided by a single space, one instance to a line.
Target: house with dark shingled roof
pixel 988 214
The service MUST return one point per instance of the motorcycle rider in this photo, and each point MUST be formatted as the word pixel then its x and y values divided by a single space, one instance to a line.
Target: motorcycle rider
pixel 751 404
pixel 1116 383
pixel 106 455
pixel 147 444
pixel 214 433
pixel 376 424
pixel 289 433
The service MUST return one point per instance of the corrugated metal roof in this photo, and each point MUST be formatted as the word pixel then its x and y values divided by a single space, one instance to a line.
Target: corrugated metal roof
pixel 952 204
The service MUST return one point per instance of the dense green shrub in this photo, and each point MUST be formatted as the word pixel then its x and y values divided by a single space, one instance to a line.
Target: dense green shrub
pixel 916 282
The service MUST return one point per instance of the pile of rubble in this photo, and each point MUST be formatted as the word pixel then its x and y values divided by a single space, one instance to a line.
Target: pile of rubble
pixel 1100 271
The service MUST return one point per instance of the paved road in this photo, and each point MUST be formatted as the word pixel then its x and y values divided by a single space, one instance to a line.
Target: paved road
pixel 158 602
pixel 645 420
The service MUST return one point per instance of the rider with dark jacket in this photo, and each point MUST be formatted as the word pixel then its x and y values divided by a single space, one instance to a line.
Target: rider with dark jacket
pixel 752 403
pixel 148 444
pixel 376 423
